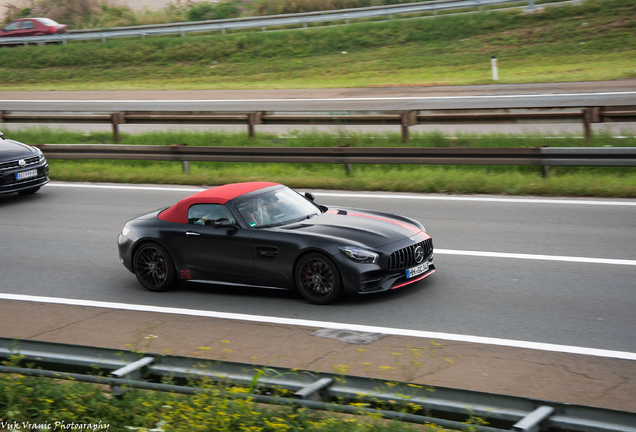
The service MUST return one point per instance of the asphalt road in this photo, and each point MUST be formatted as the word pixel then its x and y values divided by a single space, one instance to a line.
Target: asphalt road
pixel 61 242
pixel 410 98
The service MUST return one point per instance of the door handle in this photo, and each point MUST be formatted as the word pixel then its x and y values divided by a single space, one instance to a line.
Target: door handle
pixel 192 234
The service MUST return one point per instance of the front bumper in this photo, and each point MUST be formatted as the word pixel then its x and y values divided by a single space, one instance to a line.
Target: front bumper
pixel 381 276
pixel 125 245
pixel 9 184
pixel 373 279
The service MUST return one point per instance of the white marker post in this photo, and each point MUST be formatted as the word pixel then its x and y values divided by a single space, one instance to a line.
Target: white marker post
pixel 494 67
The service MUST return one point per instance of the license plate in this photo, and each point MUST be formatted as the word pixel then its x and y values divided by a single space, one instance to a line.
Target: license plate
pixel 415 271
pixel 26 174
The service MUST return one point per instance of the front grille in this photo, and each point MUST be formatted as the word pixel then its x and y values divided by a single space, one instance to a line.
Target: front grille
pixel 405 258
pixel 14 164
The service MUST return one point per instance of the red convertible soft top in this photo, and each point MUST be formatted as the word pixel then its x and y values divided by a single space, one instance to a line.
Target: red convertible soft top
pixel 217 195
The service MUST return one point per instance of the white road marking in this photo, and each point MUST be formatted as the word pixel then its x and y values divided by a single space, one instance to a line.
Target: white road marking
pixel 601 202
pixel 537 257
pixel 477 198
pixel 330 325
pixel 126 187
pixel 511 96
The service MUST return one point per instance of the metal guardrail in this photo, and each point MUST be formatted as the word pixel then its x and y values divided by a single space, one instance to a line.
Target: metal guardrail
pixel 535 156
pixel 585 115
pixel 260 22
pixel 315 390
pixel 544 157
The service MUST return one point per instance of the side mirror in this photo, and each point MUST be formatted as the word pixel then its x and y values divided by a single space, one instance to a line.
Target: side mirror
pixel 223 223
pixel 310 196
pixel 1 136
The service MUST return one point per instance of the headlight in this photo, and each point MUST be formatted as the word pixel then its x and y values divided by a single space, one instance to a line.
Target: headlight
pixel 125 231
pixel 40 155
pixel 359 255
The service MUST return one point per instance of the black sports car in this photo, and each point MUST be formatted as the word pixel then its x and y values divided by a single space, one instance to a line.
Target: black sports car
pixel 23 168
pixel 267 235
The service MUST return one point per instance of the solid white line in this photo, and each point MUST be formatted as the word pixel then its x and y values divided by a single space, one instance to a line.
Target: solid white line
pixel 330 325
pixel 126 187
pixel 375 195
pixel 537 257
pixel 325 99
pixel 477 198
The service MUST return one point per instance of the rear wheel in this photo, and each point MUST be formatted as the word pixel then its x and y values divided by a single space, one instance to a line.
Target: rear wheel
pixel 154 268
pixel 318 279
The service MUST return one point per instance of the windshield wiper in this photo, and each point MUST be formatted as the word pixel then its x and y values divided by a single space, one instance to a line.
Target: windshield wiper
pixel 289 222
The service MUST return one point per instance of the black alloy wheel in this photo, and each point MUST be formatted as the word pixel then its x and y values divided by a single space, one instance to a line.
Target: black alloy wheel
pixel 318 279
pixel 154 268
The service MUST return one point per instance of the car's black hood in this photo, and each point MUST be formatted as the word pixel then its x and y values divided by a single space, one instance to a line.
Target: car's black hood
pixel 371 229
pixel 10 150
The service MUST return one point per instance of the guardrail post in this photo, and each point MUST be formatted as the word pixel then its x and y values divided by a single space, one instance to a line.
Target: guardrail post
pixel 253 119
pixel 408 119
pixel 132 372
pixel 348 166
pixel 312 392
pixel 532 422
pixel 590 115
pixel 184 163
pixel 116 120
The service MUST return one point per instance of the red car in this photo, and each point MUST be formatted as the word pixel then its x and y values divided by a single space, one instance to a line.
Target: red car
pixel 32 27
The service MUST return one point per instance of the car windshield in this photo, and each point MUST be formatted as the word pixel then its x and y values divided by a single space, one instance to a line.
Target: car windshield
pixel 276 207
pixel 47 21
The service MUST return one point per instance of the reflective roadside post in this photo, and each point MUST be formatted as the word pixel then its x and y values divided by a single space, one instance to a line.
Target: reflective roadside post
pixel 494 67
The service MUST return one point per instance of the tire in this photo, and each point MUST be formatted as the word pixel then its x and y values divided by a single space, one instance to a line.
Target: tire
pixel 154 267
pixel 318 279
pixel 29 191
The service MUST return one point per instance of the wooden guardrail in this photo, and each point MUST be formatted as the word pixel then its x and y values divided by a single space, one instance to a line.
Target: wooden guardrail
pixel 404 119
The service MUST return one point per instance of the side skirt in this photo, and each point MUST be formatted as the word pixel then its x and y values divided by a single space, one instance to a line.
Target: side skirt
pixel 235 284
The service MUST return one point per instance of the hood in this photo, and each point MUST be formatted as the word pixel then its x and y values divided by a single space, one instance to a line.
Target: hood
pixel 360 227
pixel 10 150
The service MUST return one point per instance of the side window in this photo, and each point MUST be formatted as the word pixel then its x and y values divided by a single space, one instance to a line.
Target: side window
pixel 206 214
pixel 13 26
pixel 27 25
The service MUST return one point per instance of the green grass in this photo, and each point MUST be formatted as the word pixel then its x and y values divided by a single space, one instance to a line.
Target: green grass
pixel 592 41
pixel 52 403
pixel 511 180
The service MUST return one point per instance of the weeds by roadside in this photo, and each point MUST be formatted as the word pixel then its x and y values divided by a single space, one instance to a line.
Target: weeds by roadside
pixel 28 403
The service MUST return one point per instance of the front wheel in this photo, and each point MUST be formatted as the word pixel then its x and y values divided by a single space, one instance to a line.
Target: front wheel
pixel 318 279
pixel 154 268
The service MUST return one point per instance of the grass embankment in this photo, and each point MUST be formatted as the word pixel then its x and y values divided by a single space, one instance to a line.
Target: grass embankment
pixel 591 41
pixel 28 403
pixel 512 180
